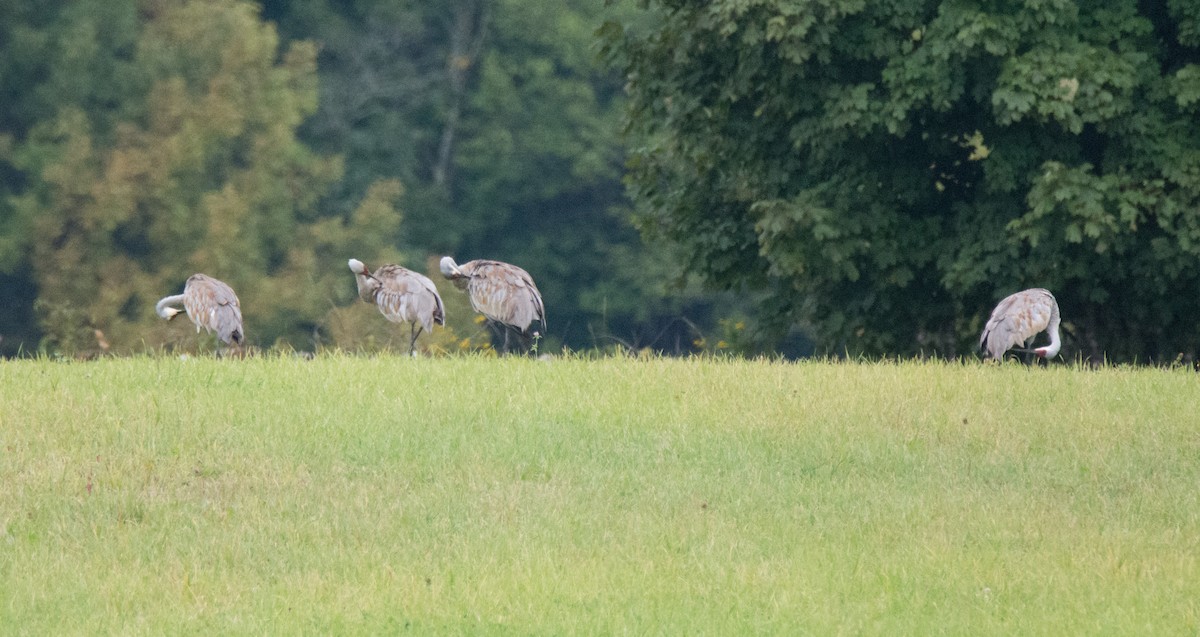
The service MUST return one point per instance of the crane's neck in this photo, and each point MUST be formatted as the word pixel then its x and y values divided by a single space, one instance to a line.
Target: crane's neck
pixel 368 286
pixel 162 308
pixel 1051 350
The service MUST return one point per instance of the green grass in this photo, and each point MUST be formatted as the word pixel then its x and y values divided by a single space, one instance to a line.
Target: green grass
pixel 483 496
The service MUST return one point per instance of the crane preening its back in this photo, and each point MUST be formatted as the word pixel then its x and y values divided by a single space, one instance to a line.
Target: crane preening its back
pixel 1020 317
pixel 210 304
pixel 502 292
pixel 402 296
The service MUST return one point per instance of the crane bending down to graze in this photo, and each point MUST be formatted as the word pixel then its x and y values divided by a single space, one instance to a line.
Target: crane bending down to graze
pixel 502 292
pixel 1018 318
pixel 210 304
pixel 402 296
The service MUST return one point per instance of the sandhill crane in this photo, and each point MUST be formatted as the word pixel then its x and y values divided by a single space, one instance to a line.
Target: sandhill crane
pixel 402 296
pixel 210 304
pixel 502 292
pixel 1018 318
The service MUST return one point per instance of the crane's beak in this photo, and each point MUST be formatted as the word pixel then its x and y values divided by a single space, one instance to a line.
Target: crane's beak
pixel 449 268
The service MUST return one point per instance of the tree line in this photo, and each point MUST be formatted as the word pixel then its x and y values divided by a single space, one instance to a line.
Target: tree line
pixel 874 175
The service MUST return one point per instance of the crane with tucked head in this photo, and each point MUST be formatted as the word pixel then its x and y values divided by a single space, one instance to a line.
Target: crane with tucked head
pixel 1020 317
pixel 504 293
pixel 210 304
pixel 402 296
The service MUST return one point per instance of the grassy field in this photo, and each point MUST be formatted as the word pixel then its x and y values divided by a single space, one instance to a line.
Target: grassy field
pixel 478 496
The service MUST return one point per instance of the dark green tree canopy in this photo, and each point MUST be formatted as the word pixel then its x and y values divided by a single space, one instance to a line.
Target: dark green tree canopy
pixel 502 125
pixel 889 170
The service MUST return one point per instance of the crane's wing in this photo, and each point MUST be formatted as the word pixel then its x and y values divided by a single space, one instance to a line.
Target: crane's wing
pixel 431 302
pixel 407 296
pixel 505 293
pixel 1016 319
pixel 212 304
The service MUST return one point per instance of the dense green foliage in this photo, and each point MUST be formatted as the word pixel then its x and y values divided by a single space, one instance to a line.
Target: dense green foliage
pixel 877 173
pixel 476 496
pixel 265 143
pixel 888 170
pixel 501 123
pixel 161 142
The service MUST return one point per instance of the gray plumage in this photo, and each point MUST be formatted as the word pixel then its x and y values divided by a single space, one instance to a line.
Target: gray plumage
pixel 210 304
pixel 402 296
pixel 1018 318
pixel 502 292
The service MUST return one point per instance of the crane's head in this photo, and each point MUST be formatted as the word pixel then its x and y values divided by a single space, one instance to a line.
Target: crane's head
pixel 367 284
pixel 1050 351
pixel 450 269
pixel 168 313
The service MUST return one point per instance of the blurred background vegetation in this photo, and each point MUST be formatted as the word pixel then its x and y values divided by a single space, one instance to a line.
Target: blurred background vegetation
pixel 677 176
pixel 265 143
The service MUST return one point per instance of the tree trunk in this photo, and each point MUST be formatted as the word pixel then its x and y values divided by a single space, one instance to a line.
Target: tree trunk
pixel 466 41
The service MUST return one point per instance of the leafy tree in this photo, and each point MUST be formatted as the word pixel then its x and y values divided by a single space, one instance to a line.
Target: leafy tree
pixel 886 171
pixel 26 54
pixel 164 145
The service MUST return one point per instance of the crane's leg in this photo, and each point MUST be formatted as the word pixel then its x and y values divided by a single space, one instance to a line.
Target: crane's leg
pixel 524 341
pixel 494 331
pixel 412 344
